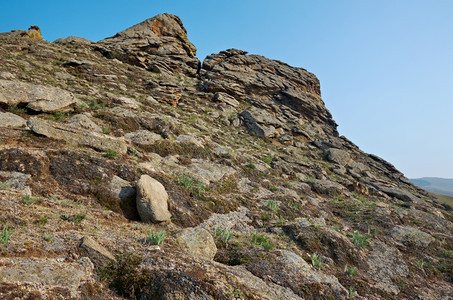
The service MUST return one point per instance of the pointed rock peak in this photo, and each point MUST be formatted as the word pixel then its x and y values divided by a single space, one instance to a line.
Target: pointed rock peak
pixel 163 34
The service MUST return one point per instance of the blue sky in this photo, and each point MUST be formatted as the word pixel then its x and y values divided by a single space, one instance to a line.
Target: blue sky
pixel 386 67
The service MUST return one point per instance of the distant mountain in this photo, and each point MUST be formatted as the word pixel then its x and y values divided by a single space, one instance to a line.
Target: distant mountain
pixel 435 185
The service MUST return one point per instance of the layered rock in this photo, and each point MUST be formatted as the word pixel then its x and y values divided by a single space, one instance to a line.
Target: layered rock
pixel 158 44
pixel 271 85
pixel 35 97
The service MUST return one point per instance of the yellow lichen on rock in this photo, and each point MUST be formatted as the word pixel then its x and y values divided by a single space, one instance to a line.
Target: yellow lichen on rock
pixel 33 33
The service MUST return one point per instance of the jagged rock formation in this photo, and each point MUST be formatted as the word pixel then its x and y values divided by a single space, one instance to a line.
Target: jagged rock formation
pixel 158 44
pixel 259 196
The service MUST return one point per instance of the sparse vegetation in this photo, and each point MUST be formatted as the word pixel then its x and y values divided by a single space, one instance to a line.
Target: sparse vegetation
pixel 262 240
pixel 43 220
pixel 76 219
pixel 223 234
pixel 352 271
pixel 110 153
pixel 361 240
pixel 251 166
pixel 16 110
pixel 316 261
pixel 6 234
pixel 155 237
pixel 48 237
pixel 186 181
pixel 5 185
pixel 267 159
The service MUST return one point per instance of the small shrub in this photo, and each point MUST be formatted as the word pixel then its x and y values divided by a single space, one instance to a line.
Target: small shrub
pixel 273 188
pixel 267 159
pixel 361 240
pixel 155 237
pixel 310 180
pixel 316 261
pixel 57 116
pixel 186 181
pixel 106 130
pixel 351 292
pixel 43 220
pixel 251 166
pixel 5 235
pixel 16 110
pixel 273 205
pixel 223 234
pixel 352 271
pixel 110 153
pixel 447 253
pixel 261 240
pixel 27 199
pixel 73 218
pixel 4 185
pixel 48 237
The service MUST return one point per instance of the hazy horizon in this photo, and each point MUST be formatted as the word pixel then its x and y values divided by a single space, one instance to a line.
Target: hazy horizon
pixel 384 67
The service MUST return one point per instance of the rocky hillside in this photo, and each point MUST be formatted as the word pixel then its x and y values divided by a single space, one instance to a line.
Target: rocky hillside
pixel 131 170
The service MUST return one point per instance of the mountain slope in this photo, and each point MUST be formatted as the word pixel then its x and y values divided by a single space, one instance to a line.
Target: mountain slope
pixel 435 185
pixel 129 169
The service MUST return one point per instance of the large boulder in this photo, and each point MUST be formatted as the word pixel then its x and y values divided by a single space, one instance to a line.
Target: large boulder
pixel 36 97
pixel 197 242
pixel 152 200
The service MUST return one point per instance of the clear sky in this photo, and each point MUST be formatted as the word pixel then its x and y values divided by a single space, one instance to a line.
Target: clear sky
pixel 386 67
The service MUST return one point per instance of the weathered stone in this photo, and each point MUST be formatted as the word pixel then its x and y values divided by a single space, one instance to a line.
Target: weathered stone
pixel 46 272
pixel 152 200
pixel 68 133
pixel 143 137
pixel 83 121
pixel 197 242
pixel 37 97
pixel 386 264
pixel 207 172
pixel 411 236
pixel 7 75
pixel 240 75
pixel 98 254
pixel 158 44
pixel 260 122
pixel 73 40
pixel 11 120
pixel 190 139
pixel 398 193
pixel 327 187
pixel 338 156
pixel 235 220
pixel 225 98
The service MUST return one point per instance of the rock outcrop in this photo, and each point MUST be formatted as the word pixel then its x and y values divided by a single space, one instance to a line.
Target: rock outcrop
pixel 159 44
pixel 141 174
pixel 35 97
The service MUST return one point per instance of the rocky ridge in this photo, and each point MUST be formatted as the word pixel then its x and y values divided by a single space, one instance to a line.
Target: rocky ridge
pixel 258 195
